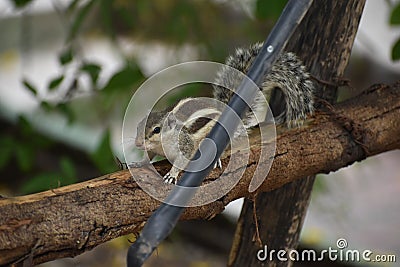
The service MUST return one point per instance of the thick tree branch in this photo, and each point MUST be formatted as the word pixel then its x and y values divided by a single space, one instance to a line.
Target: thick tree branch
pixel 70 220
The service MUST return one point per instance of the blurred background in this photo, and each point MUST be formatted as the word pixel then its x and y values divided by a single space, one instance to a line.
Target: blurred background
pixel 69 67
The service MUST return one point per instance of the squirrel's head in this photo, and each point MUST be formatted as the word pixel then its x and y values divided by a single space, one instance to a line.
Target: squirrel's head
pixel 157 127
pixel 179 128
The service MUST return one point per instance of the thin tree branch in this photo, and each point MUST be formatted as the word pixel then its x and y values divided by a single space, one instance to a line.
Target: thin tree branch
pixel 67 221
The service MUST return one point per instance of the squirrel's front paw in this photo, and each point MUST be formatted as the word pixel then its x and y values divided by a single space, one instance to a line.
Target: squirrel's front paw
pixel 218 164
pixel 169 179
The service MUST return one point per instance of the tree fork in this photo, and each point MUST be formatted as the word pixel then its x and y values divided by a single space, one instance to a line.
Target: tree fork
pixel 323 41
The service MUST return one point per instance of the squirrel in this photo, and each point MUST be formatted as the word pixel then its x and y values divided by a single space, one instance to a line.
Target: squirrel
pixel 181 136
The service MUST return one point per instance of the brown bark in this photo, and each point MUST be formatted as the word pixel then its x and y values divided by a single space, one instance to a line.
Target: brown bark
pixel 70 220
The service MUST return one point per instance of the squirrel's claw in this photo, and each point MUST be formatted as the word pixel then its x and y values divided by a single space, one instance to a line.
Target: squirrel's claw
pixel 169 179
pixel 218 164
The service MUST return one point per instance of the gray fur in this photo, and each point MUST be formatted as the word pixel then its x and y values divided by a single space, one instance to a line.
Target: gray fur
pixel 288 74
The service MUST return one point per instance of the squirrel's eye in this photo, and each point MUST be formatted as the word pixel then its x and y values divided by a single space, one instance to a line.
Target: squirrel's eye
pixel 156 130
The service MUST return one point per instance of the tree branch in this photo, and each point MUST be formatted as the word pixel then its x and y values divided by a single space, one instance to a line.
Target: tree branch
pixel 67 221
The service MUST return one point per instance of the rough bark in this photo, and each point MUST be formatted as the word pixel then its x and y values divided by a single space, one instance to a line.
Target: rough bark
pixel 67 221
pixel 323 40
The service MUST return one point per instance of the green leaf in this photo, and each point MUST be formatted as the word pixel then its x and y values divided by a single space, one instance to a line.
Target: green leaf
pixel 127 18
pixel 320 186
pixel 67 111
pixel 29 137
pixel 56 82
pixel 72 5
pixel 106 11
pixel 395 15
pixel 80 17
pixel 7 144
pixel 124 78
pixel 68 171
pixel 41 182
pixel 103 157
pixel 21 3
pixel 46 106
pixel 93 70
pixel 24 157
pixel 29 86
pixel 25 127
pixel 396 51
pixel 269 9
pixel 66 56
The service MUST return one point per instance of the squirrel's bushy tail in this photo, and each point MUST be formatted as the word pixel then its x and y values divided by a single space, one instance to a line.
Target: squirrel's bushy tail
pixel 288 75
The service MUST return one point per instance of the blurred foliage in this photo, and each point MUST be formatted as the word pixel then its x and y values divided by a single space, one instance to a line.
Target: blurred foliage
pixel 51 180
pixel 269 9
pixel 20 3
pixel 394 20
pixel 213 27
pixel 23 149
pixel 103 156
pixel 24 145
